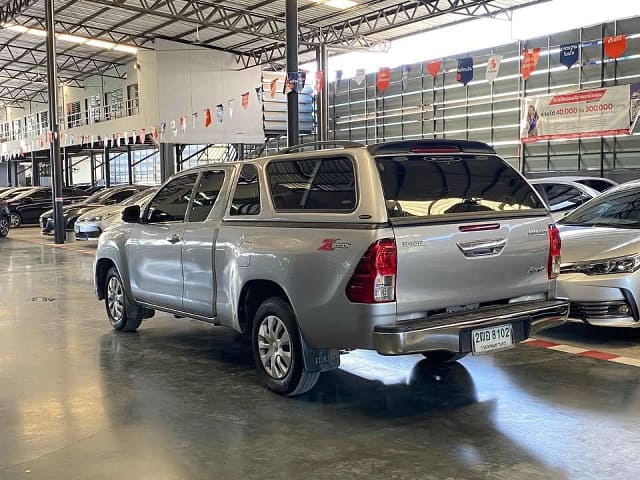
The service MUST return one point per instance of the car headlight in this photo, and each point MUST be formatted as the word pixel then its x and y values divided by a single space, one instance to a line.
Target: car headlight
pixel 95 219
pixel 609 266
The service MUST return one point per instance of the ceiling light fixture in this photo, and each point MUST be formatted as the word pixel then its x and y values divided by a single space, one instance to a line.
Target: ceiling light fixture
pixel 94 42
pixel 126 49
pixel 340 4
pixel 66 37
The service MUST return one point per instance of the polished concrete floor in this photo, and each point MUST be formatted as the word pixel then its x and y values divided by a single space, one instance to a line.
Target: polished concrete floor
pixel 180 399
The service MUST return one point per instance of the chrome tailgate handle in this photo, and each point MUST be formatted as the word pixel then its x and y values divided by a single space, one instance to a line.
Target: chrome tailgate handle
pixel 482 248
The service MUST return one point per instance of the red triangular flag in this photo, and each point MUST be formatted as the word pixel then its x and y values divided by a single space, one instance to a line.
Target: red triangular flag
pixel 383 78
pixel 273 87
pixel 245 100
pixel 207 117
pixel 529 62
pixel 155 133
pixel 614 47
pixel 319 80
pixel 433 67
pixel 50 137
pixel 183 124
pixel 143 135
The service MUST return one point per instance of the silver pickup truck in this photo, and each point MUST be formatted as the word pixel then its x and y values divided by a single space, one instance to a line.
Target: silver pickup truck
pixel 433 247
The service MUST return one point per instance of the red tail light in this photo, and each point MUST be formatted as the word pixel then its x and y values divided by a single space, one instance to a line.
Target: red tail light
pixel 374 280
pixel 553 268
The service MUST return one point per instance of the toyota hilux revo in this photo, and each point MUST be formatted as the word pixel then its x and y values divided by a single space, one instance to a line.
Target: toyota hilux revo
pixel 434 247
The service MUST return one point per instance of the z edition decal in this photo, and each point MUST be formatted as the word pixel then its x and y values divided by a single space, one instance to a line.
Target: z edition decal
pixel 330 244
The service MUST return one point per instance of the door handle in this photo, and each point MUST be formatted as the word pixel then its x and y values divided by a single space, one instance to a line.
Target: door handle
pixel 175 238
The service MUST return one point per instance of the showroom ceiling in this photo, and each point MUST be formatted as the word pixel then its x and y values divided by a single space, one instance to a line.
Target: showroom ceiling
pixel 253 30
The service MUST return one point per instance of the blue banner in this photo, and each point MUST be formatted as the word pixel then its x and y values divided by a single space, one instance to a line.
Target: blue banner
pixel 569 54
pixel 464 73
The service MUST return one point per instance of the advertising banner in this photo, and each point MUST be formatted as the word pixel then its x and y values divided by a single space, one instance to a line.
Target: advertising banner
pixel 579 114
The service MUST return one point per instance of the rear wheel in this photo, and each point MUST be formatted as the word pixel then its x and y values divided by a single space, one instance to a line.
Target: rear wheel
pixel 442 356
pixel 4 226
pixel 124 315
pixel 15 220
pixel 277 350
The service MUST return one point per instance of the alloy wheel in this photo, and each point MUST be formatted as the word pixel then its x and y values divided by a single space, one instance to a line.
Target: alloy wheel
pixel 274 345
pixel 115 299
pixel 4 226
pixel 14 220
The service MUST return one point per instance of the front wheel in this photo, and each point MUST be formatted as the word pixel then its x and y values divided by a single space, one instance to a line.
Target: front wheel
pixel 443 356
pixel 4 226
pixel 277 350
pixel 123 315
pixel 15 220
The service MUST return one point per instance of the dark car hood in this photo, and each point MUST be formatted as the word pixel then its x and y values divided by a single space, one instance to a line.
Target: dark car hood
pixel 75 209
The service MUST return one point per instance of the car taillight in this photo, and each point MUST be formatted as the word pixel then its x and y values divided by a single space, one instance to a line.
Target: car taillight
pixel 374 280
pixel 553 269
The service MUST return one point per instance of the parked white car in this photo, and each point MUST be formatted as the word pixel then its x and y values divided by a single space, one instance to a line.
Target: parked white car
pixel 564 194
pixel 91 225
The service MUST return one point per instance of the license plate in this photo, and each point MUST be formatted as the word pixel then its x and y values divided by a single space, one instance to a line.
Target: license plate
pixel 492 339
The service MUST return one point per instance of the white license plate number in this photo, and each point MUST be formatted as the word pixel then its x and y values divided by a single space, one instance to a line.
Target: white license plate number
pixel 492 339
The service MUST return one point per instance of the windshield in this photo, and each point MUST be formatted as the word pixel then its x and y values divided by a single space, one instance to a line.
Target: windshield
pixel 138 197
pixel 99 196
pixel 13 192
pixel 423 185
pixel 619 209
pixel 597 184
pixel 24 193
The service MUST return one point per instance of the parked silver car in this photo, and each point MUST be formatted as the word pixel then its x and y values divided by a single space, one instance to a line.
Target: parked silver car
pixel 90 225
pixel 563 194
pixel 601 258
pixel 432 247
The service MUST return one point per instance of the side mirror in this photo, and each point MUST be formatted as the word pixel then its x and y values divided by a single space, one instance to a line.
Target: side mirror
pixel 131 214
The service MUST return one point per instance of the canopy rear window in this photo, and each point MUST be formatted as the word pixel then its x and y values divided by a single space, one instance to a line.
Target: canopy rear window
pixel 430 185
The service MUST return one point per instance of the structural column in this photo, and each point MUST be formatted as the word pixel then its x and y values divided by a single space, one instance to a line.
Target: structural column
pixel 291 17
pixel 35 170
pixel 54 148
pixel 322 97
pixel 107 165
pixel 130 164
pixel 167 160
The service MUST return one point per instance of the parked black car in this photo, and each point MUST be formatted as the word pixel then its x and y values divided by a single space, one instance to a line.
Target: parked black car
pixel 107 196
pixel 4 219
pixel 27 207
pixel 11 192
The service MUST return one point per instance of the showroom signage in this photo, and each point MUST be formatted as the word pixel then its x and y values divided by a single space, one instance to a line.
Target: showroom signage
pixel 464 72
pixel 493 67
pixel 433 67
pixel 569 54
pixel 529 62
pixel 615 46
pixel 580 114
pixel 383 79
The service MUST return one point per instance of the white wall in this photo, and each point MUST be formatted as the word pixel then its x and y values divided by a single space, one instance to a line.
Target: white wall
pixel 191 79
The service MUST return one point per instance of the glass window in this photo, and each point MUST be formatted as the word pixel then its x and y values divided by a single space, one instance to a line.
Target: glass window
pixel 563 197
pixel 246 197
pixel 320 184
pixel 40 195
pixel 417 185
pixel 171 202
pixel 211 183
pixel 619 209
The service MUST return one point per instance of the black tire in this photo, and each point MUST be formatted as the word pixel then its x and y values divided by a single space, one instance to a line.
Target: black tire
pixel 15 220
pixel 4 226
pixel 443 356
pixel 295 380
pixel 128 316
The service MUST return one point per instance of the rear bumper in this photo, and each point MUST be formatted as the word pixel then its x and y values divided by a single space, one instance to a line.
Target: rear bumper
pixel 453 332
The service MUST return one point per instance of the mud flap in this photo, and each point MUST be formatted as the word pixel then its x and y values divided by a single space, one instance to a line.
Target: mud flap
pixel 320 359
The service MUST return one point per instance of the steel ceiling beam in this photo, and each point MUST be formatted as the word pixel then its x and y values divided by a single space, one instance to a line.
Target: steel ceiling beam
pixel 9 10
pixel 371 24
